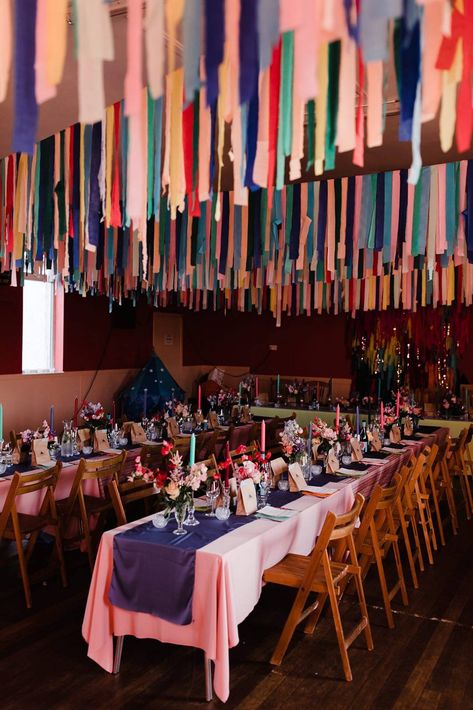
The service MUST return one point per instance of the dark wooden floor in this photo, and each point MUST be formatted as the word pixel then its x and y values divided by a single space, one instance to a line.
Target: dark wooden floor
pixel 426 662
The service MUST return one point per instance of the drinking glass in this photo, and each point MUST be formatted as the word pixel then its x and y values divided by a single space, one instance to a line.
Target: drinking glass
pixel 180 513
pixel 212 495
pixel 191 521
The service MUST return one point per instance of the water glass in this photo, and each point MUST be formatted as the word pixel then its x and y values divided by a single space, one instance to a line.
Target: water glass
pixel 212 494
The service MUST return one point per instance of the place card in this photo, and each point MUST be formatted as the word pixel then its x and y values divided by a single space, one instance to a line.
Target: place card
pixel 40 455
pixel 101 440
pixel 296 478
pixel 198 418
pixel 408 428
pixel 395 435
pixel 333 463
pixel 247 503
pixel 356 449
pixel 278 467
pixel 138 434
pixel 213 420
pixel 173 429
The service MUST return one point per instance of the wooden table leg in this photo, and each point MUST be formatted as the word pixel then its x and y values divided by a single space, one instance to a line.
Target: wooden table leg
pixel 118 653
pixel 208 679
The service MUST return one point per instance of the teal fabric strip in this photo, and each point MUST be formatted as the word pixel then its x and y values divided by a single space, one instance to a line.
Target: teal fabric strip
pixel 451 207
pixel 285 107
pixel 424 211
pixel 158 129
pixel 367 206
pixel 388 196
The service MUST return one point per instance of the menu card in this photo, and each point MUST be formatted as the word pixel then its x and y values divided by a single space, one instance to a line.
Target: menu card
pixel 101 440
pixel 173 429
pixel 395 434
pixel 278 467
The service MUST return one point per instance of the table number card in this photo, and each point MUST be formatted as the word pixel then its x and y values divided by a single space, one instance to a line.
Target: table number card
pixel 333 463
pixel 213 420
pixel 40 455
pixel 278 467
pixel 247 503
pixel 395 435
pixel 138 434
pixel 101 440
pixel 296 478
pixel 356 449
pixel 173 429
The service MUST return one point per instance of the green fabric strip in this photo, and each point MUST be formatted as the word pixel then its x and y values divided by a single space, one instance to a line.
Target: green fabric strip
pixel 334 50
pixel 285 107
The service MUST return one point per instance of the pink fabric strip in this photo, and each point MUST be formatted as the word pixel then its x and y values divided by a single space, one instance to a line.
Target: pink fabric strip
pixel 306 52
pixel 441 228
pixel 374 71
pixel 44 90
pixel 346 127
pixel 133 83
pixel 431 77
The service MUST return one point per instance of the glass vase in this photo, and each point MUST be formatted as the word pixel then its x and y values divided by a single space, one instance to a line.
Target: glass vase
pixel 67 439
pixel 180 513
pixel 191 521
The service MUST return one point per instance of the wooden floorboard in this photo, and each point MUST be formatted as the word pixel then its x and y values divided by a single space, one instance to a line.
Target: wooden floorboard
pixel 426 662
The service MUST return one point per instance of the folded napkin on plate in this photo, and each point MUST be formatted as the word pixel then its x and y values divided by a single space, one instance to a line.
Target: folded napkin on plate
pixel 344 471
pixel 376 455
pixel 277 514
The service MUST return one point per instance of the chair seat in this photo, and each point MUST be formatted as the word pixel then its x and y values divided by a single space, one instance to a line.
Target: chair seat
pixel 29 524
pixel 291 570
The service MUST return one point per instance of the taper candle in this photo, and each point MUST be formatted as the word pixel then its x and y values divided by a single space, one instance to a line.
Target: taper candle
pixel 263 436
pixel 357 420
pixel 398 404
pixel 145 402
pixel 278 384
pixel 199 397
pixel 337 418
pixel 381 416
pixel 192 451
pixel 51 417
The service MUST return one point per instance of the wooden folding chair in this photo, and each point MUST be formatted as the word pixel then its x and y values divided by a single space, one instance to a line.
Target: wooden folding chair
pixel 17 526
pixel 182 445
pixel 405 519
pixel 151 456
pixel 84 506
pixel 424 502
pixel 375 537
pixel 443 486
pixel 459 468
pixel 324 575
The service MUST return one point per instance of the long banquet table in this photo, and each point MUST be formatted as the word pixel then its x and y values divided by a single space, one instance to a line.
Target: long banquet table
pixel 31 502
pixel 228 575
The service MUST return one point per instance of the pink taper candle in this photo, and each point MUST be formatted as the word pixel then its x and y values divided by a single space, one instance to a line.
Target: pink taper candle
pixel 337 418
pixel 263 437
pixel 398 404
pixel 199 398
pixel 381 416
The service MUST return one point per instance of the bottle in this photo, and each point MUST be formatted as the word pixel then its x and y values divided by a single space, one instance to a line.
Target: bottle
pixel 363 438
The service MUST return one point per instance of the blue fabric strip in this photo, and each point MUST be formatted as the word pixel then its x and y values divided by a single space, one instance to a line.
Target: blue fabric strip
pixel 214 37
pixel 26 108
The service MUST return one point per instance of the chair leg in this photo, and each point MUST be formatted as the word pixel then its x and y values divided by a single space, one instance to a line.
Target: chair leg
pixel 60 554
pixel 400 573
pixel 364 611
pixel 383 584
pixel 410 557
pixel 415 532
pixel 23 567
pixel 313 618
pixel 438 516
pixel 289 627
pixel 338 628
pixel 424 525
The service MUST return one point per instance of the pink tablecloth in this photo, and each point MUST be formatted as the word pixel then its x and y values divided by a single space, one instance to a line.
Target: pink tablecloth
pixel 228 578
pixel 30 502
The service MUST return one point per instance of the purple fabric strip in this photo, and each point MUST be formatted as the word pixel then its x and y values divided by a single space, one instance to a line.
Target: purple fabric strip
pixel 248 50
pixel 379 233
pixel 214 36
pixel 95 202
pixel 26 108
pixel 154 570
pixel 322 223
pixel 350 219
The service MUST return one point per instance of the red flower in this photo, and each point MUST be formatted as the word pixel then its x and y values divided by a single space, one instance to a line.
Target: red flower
pixel 241 449
pixel 166 448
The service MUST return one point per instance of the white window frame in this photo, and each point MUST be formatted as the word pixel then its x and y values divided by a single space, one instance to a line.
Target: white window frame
pixel 56 321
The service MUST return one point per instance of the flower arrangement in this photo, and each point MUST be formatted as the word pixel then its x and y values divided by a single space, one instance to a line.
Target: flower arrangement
pixel 345 431
pixel 292 441
pixel 176 487
pixel 176 408
pixel 224 399
pixel 343 402
pixel 451 405
pixel 140 472
pixel 247 384
pixel 91 412
pixel 367 401
pixel 42 432
pixel 296 388
pixel 323 436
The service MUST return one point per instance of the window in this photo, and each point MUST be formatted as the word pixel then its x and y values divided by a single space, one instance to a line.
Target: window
pixel 42 327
